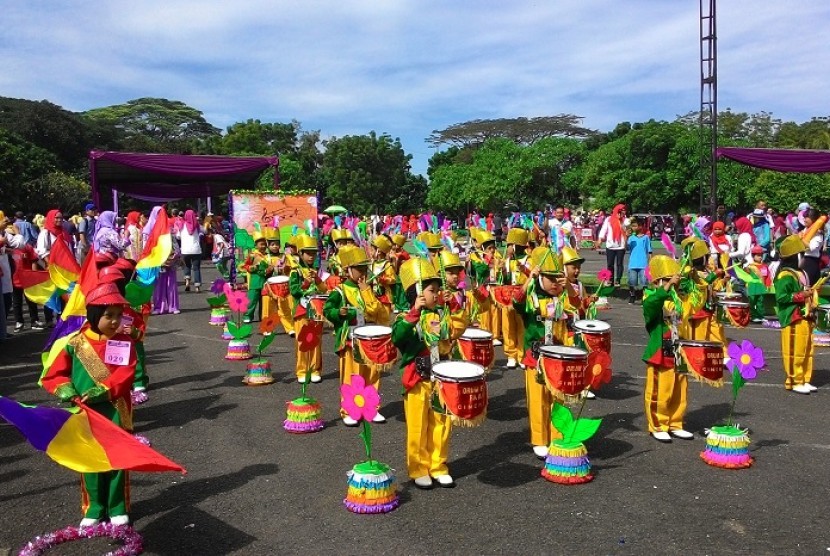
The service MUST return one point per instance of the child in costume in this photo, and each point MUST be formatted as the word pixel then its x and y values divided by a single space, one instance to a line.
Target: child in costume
pixel 756 291
pixel 577 298
pixel 417 335
pixel 303 282
pixel 398 256
pixel 639 249
pixel 540 305
pixel 277 266
pixel 514 273
pixel 698 296
pixel 795 301
pixel 484 267
pixel 351 304
pixel 665 391
pixel 79 373
pixel 341 238
pixel 220 254
pixel 256 265
pixel 454 300
pixel 382 271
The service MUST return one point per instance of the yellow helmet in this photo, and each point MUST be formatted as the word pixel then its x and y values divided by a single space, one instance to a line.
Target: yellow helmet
pixel 474 233
pixel 485 237
pixel 383 243
pixel 399 240
pixel 450 260
pixel 416 270
pixel 571 256
pixel 697 248
pixel 548 261
pixel 517 236
pixel 662 266
pixel 352 255
pixel 791 245
pixel 431 240
pixel 305 243
pixel 272 234
pixel 340 234
pixel 257 235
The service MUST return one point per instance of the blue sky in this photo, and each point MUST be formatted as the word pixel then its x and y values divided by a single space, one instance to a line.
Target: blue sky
pixel 407 67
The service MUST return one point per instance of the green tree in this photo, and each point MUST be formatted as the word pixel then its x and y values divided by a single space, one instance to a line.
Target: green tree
pixel 156 125
pixel 21 162
pixel 364 173
pixel 524 131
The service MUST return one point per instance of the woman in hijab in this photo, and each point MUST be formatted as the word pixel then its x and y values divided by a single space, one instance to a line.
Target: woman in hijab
pixel 133 233
pixel 191 247
pixel 51 230
pixel 746 239
pixel 107 239
pixel 720 244
pixel 614 235
pixel 166 293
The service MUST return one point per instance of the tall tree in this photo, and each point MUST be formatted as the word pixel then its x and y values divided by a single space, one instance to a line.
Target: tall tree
pixel 519 130
pixel 365 173
pixel 156 124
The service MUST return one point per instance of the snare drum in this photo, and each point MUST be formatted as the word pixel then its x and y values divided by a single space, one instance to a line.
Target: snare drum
pixel 476 345
pixel 373 344
pixel 595 333
pixel 823 317
pixel 564 369
pixel 277 287
pixel 460 392
pixel 728 296
pixel 735 313
pixel 504 294
pixel 703 359
pixel 315 304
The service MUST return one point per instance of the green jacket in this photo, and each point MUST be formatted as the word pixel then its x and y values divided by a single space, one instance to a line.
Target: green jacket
pixel 656 324
pixel 789 296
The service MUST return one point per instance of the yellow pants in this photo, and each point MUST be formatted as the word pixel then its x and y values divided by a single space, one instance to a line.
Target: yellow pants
pixel 665 397
pixel 707 330
pixel 490 318
pixel 539 403
pixel 513 331
pixel 427 433
pixel 310 359
pixel 282 308
pixel 797 348
pixel 348 367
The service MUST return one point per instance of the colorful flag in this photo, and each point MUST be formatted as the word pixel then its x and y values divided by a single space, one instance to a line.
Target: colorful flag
pixel 746 277
pixel 83 440
pixel 63 268
pixel 87 280
pixel 38 287
pixel 157 250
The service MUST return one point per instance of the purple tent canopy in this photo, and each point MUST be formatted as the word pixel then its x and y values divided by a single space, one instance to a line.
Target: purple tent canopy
pixel 175 176
pixel 782 160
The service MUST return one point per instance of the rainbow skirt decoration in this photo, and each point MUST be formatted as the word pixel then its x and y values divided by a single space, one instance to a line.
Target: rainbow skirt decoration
pixel 303 416
pixel 226 334
pixel 567 463
pixel 258 372
pixel 727 448
pixel 238 350
pixel 219 316
pixel 372 489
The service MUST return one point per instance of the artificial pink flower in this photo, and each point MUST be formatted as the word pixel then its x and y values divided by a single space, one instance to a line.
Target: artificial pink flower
pixel 359 400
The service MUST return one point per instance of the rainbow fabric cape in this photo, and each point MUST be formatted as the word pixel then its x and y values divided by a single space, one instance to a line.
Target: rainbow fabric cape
pixel 156 251
pixel 83 440
pixel 87 280
pixel 63 268
pixel 38 286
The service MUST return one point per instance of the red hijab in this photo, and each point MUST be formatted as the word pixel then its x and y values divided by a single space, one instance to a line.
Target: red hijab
pixel 54 228
pixel 744 226
pixel 720 240
pixel 615 221
pixel 132 218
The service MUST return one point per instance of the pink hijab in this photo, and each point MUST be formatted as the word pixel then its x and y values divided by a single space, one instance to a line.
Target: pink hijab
pixel 190 221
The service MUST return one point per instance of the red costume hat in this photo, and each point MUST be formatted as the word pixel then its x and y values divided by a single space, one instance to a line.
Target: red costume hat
pixel 105 294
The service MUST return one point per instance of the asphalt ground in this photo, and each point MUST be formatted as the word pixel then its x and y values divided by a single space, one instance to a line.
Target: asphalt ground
pixel 252 488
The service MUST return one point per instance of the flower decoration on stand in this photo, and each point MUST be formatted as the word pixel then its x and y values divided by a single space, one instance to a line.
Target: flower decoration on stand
pixel 304 414
pixel 258 370
pixel 268 325
pixel 727 446
pixel 372 488
pixel 238 347
pixel 218 286
pixel 310 335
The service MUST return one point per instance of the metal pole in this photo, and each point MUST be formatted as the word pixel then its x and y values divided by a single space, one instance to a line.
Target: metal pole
pixel 713 193
pixel 114 200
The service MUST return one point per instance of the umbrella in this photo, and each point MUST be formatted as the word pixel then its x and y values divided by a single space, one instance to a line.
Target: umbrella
pixel 335 209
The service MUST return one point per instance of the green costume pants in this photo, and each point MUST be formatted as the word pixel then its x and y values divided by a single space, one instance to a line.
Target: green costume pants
pixel 105 494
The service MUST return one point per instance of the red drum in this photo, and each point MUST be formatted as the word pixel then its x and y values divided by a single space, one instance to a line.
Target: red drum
pixel 373 344
pixel 703 359
pixel 277 287
pixel 735 313
pixel 504 294
pixel 316 303
pixel 728 296
pixel 564 369
pixel 595 333
pixel 460 392
pixel 476 345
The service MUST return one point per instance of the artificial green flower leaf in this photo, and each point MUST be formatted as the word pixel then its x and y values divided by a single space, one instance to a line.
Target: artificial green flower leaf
pixel 232 328
pixel 584 429
pixel 738 381
pixel 562 419
pixel 265 342
pixel 246 330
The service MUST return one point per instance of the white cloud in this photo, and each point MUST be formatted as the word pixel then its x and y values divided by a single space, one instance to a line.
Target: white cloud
pixel 407 67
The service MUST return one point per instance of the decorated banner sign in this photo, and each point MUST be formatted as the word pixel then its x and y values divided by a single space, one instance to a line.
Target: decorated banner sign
pixel 287 211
